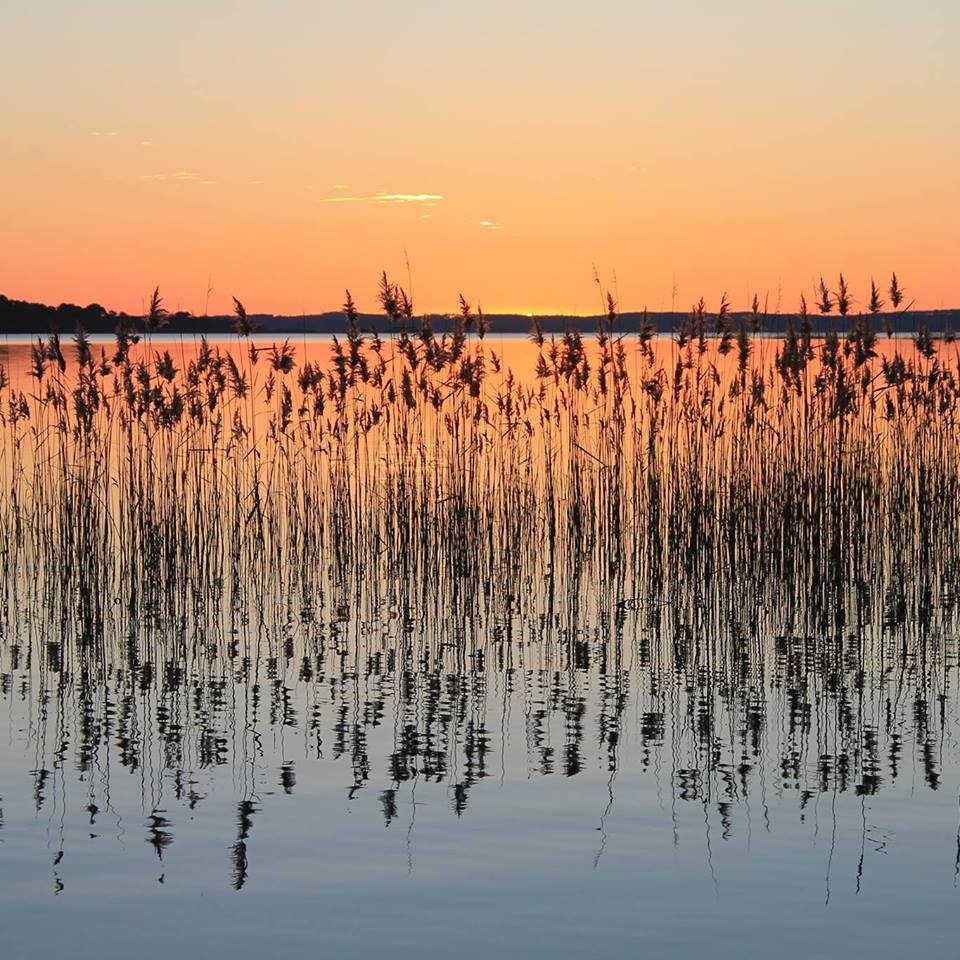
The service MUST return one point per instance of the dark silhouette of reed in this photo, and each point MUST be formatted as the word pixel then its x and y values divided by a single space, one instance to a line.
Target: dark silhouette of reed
pixel 754 540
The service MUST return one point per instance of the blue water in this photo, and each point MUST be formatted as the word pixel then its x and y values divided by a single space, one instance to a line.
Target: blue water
pixel 565 844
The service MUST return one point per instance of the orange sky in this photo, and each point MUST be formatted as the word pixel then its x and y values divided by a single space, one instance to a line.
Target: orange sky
pixel 700 148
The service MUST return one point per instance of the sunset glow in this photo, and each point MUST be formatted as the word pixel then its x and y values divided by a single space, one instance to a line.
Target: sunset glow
pixel 284 152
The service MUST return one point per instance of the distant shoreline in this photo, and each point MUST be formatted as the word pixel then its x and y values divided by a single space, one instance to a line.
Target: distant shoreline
pixel 19 318
pixel 269 337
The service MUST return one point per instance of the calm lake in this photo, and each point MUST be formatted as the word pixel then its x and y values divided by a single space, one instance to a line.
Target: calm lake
pixel 286 705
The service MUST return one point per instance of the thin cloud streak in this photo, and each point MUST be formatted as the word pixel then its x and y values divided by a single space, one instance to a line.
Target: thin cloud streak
pixel 430 199
pixel 180 175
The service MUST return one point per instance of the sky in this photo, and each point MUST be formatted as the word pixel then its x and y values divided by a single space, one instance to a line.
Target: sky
pixel 282 152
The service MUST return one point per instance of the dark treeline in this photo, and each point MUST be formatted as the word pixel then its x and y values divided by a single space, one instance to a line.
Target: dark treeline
pixel 21 317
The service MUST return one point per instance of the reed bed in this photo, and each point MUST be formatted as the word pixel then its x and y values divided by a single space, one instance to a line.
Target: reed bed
pixel 425 455
pixel 758 538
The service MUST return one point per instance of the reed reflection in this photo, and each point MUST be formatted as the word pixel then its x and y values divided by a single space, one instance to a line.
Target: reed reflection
pixel 723 696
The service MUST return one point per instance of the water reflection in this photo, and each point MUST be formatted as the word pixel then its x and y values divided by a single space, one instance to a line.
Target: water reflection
pixel 680 621
pixel 724 698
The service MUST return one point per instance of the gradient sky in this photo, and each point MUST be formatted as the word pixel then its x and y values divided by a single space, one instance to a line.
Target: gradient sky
pixel 283 151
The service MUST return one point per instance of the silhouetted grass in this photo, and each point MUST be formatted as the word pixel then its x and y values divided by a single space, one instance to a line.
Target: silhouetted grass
pixel 188 537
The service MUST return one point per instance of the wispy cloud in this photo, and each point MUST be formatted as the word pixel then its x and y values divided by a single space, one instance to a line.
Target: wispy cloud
pixel 490 225
pixel 181 176
pixel 428 199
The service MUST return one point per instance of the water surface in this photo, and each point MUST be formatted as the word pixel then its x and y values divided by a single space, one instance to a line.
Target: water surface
pixel 626 718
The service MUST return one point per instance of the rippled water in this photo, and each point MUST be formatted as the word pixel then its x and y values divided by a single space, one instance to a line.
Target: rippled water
pixel 590 754
pixel 575 785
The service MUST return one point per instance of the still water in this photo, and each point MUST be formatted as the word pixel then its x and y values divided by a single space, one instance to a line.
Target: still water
pixel 609 790
pixel 578 753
